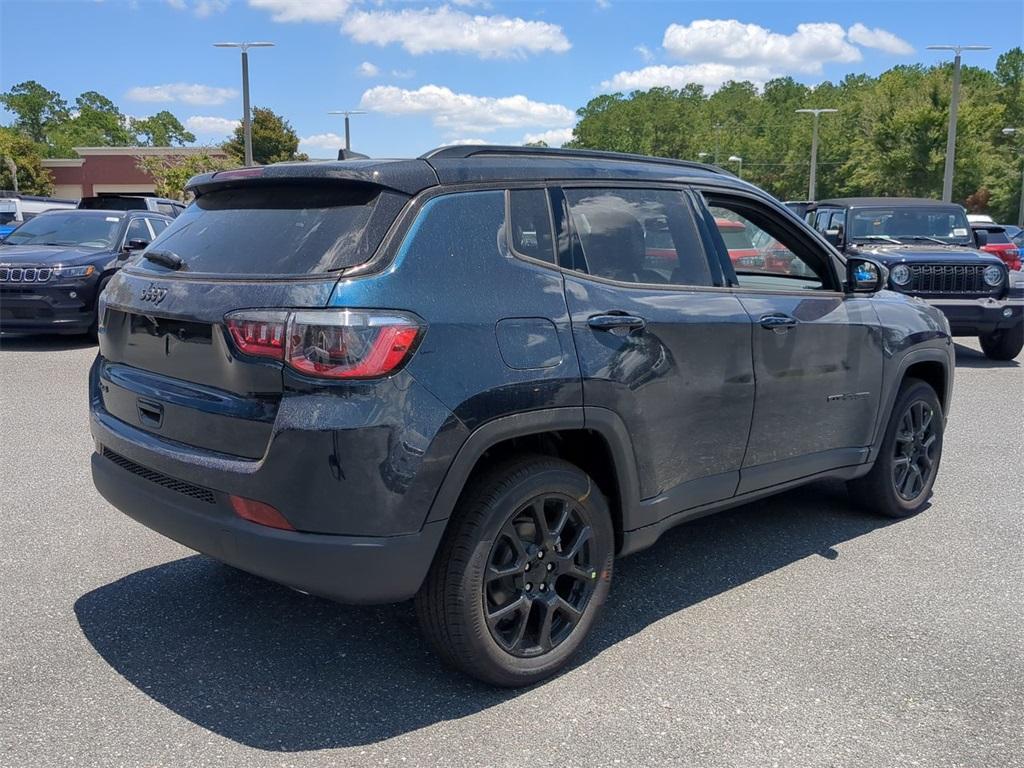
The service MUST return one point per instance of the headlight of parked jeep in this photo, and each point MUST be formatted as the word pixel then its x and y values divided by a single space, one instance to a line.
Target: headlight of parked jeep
pixel 993 275
pixel 900 274
pixel 73 272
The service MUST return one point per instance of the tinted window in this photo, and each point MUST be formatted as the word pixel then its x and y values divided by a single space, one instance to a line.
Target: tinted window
pixel 997 238
pixel 7 217
pixel 530 230
pixel 774 259
pixel 638 236
pixel 86 230
pixel 158 225
pixel 113 203
pixel 137 230
pixel 271 230
pixel 165 208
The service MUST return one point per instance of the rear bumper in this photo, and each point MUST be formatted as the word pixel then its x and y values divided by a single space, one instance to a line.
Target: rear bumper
pixel 48 308
pixel 975 317
pixel 350 569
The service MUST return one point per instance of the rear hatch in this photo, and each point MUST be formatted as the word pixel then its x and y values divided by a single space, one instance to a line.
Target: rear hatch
pixel 169 363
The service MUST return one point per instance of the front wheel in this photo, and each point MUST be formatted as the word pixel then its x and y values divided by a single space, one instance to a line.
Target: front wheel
pixel 522 572
pixel 900 482
pixel 1004 344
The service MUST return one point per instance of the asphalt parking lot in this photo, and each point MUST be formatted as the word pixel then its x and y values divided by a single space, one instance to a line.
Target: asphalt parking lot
pixel 793 632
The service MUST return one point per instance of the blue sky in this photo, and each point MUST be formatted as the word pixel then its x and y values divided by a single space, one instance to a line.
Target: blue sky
pixel 467 70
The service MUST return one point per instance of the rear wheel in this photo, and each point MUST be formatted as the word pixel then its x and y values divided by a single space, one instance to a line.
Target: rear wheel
pixel 900 482
pixel 1004 344
pixel 522 573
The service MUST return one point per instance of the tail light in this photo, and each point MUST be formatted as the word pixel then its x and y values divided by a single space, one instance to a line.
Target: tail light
pixel 331 344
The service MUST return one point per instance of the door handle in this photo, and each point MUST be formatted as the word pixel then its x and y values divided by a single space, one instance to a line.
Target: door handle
pixel 777 321
pixel 613 322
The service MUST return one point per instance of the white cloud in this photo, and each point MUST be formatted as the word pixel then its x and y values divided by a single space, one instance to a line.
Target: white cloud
pixel 189 93
pixel 711 76
pixel 465 142
pixel 880 39
pixel 403 74
pixel 603 4
pixel 556 137
pixel 645 53
pixel 321 141
pixel 304 10
pixel 463 112
pixel 367 69
pixel 429 30
pixel 220 126
pixel 727 41
pixel 201 8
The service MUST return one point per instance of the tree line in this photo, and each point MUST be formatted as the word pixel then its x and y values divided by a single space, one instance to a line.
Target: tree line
pixel 46 125
pixel 888 137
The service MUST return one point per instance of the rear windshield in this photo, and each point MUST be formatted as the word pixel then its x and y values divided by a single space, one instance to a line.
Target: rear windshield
pixel 286 230
pixel 998 238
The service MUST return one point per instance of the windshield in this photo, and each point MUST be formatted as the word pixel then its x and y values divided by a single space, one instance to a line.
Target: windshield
pixel 67 229
pixel 942 223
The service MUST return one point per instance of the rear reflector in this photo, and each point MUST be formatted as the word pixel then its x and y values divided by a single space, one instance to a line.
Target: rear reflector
pixel 259 513
pixel 328 344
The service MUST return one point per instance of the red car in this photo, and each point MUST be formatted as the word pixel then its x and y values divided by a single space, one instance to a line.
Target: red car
pixel 741 248
pixel 999 244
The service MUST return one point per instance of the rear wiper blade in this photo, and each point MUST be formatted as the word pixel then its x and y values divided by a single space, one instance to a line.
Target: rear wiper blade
pixel 169 259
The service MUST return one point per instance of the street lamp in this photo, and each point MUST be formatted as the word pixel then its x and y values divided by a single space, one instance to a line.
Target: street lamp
pixel 737 159
pixel 814 147
pixel 1020 211
pixel 954 104
pixel 246 120
pixel 346 113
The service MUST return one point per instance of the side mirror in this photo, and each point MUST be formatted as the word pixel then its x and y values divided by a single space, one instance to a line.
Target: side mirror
pixel 865 275
pixel 135 245
pixel 981 237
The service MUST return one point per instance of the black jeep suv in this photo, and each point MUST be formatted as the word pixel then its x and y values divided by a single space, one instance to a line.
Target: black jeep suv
pixel 479 376
pixel 54 266
pixel 932 253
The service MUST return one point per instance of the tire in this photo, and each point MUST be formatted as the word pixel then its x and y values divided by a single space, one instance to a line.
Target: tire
pixel 501 507
pixel 93 331
pixel 911 440
pixel 1005 344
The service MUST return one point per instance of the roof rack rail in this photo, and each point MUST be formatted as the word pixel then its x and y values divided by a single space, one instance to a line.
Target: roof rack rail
pixel 462 151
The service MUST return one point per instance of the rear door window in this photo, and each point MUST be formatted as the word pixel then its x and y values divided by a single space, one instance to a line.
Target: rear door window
pixel 638 236
pixel 272 230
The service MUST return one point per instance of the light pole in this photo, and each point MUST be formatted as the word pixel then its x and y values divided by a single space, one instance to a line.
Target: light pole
pixel 811 188
pixel 954 104
pixel 246 119
pixel 1020 211
pixel 346 113
pixel 737 159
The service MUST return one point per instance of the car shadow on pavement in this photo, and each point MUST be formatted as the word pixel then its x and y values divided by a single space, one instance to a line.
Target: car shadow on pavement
pixel 276 670
pixel 966 357
pixel 48 343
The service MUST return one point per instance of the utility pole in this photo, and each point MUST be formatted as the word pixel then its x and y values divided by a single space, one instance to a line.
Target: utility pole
pixel 812 187
pixel 954 105
pixel 246 116
pixel 347 113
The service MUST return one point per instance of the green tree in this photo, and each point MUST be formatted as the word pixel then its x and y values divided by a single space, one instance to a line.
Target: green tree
pixel 36 109
pixel 33 178
pixel 161 130
pixel 273 139
pixel 171 173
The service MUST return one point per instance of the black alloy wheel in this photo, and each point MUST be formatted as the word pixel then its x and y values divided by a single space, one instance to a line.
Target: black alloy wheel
pixel 913 463
pixel 540 575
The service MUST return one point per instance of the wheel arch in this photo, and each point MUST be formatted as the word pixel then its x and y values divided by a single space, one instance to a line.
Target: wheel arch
pixel 594 439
